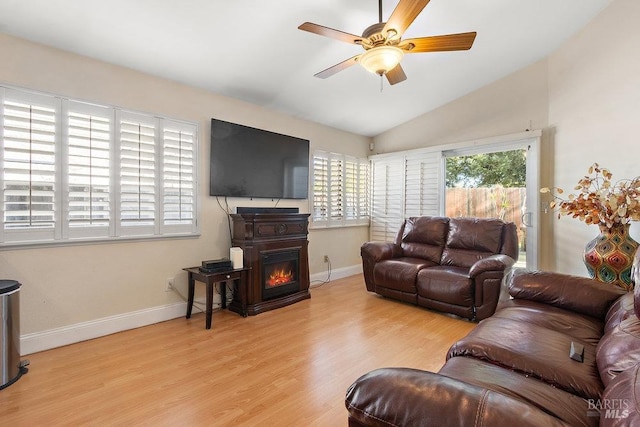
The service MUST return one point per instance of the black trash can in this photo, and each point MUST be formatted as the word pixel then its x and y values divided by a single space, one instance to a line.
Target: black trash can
pixel 11 368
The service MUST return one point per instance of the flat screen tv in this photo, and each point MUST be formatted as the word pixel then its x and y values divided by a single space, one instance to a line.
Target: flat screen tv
pixel 250 162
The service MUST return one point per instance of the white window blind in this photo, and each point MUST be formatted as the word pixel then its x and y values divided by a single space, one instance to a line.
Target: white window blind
pixel 340 190
pixel 89 136
pixel 387 210
pixel 356 190
pixel 137 155
pixel 320 188
pixel 178 176
pixel 404 185
pixel 364 188
pixel 29 174
pixel 336 189
pixel 71 170
pixel 422 188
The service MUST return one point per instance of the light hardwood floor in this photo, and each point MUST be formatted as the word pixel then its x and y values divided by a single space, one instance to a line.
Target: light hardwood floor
pixel 286 367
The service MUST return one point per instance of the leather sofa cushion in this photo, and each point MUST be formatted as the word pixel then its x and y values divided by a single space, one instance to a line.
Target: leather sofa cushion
pixel 471 239
pixel 424 237
pixel 389 397
pixel 479 234
pixel 619 349
pixel 579 326
pixel 448 284
pixel 565 406
pixel 573 293
pixel 533 350
pixel 399 273
pixel 622 396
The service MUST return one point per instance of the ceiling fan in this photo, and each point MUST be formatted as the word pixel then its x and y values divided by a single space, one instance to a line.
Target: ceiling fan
pixel 383 44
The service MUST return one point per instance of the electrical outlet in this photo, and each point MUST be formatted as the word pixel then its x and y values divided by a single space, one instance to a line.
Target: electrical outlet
pixel 326 258
pixel 169 284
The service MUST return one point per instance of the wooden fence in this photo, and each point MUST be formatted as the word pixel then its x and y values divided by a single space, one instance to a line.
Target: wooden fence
pixel 494 202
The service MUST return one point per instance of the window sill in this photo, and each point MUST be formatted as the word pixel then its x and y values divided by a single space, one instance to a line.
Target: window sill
pixel 85 242
pixel 330 227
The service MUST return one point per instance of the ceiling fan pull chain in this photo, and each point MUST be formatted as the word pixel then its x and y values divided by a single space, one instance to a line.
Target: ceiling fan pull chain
pixel 381 83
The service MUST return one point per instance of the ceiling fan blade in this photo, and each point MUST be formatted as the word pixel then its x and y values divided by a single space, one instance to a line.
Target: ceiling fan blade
pixel 338 67
pixel 331 33
pixel 396 75
pixel 403 15
pixel 462 41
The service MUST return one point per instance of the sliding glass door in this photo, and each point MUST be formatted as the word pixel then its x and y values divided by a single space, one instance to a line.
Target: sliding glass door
pixel 496 177
pixel 494 181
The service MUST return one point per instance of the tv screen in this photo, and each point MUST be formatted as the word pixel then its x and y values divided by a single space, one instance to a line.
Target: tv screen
pixel 250 162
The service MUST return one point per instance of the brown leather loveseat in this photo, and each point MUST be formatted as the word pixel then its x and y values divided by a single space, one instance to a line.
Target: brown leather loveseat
pixel 515 368
pixel 455 265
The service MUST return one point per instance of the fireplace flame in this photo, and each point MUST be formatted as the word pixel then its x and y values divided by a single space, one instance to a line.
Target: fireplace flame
pixel 279 277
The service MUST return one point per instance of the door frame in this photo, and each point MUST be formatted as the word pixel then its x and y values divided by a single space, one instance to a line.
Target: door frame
pixel 529 141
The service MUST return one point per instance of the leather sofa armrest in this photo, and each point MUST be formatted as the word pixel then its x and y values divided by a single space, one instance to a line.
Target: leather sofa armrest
pixel 407 397
pixel 378 251
pixel 579 294
pixel 372 253
pixel 492 263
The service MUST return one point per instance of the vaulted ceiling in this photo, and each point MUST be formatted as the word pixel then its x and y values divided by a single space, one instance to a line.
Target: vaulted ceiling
pixel 252 49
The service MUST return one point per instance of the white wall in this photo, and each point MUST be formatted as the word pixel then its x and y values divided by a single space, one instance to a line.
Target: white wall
pixel 594 110
pixel 586 99
pixel 510 105
pixel 66 286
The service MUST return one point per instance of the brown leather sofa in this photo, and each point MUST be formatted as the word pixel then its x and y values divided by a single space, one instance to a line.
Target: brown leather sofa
pixel 515 367
pixel 455 265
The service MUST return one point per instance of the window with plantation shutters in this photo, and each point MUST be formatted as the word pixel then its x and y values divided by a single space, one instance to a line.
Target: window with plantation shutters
pixel 422 187
pixel 356 190
pixel 363 190
pixel 404 184
pixel 178 175
pixel 137 139
pixel 387 210
pixel 74 171
pixel 89 135
pixel 320 211
pixel 336 189
pixel 340 190
pixel 29 171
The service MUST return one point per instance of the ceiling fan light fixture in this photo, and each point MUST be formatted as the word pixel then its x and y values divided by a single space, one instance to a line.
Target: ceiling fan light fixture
pixel 381 59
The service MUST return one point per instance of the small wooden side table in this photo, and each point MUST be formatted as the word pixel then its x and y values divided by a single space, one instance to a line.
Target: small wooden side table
pixel 239 276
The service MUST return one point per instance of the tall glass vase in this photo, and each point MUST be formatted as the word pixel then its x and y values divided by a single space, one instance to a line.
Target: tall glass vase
pixel 609 256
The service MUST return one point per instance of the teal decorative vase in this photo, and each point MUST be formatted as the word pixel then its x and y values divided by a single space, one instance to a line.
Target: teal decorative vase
pixel 609 256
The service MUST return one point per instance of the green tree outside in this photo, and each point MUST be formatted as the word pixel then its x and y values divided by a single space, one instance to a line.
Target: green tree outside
pixel 507 168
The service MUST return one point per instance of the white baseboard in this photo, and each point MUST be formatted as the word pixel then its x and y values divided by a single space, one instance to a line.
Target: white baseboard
pixel 40 341
pixel 338 273
pixel 58 337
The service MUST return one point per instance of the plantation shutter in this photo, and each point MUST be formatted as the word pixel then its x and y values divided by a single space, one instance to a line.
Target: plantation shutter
pixel 404 184
pixel 340 190
pixel 29 175
pixel 320 187
pixel 350 189
pixel 89 136
pixel 356 190
pixel 336 183
pixel 422 184
pixel 137 139
pixel 364 191
pixel 178 177
pixel 387 201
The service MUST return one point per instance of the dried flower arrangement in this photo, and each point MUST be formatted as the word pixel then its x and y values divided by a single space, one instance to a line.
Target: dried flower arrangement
pixel 600 201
